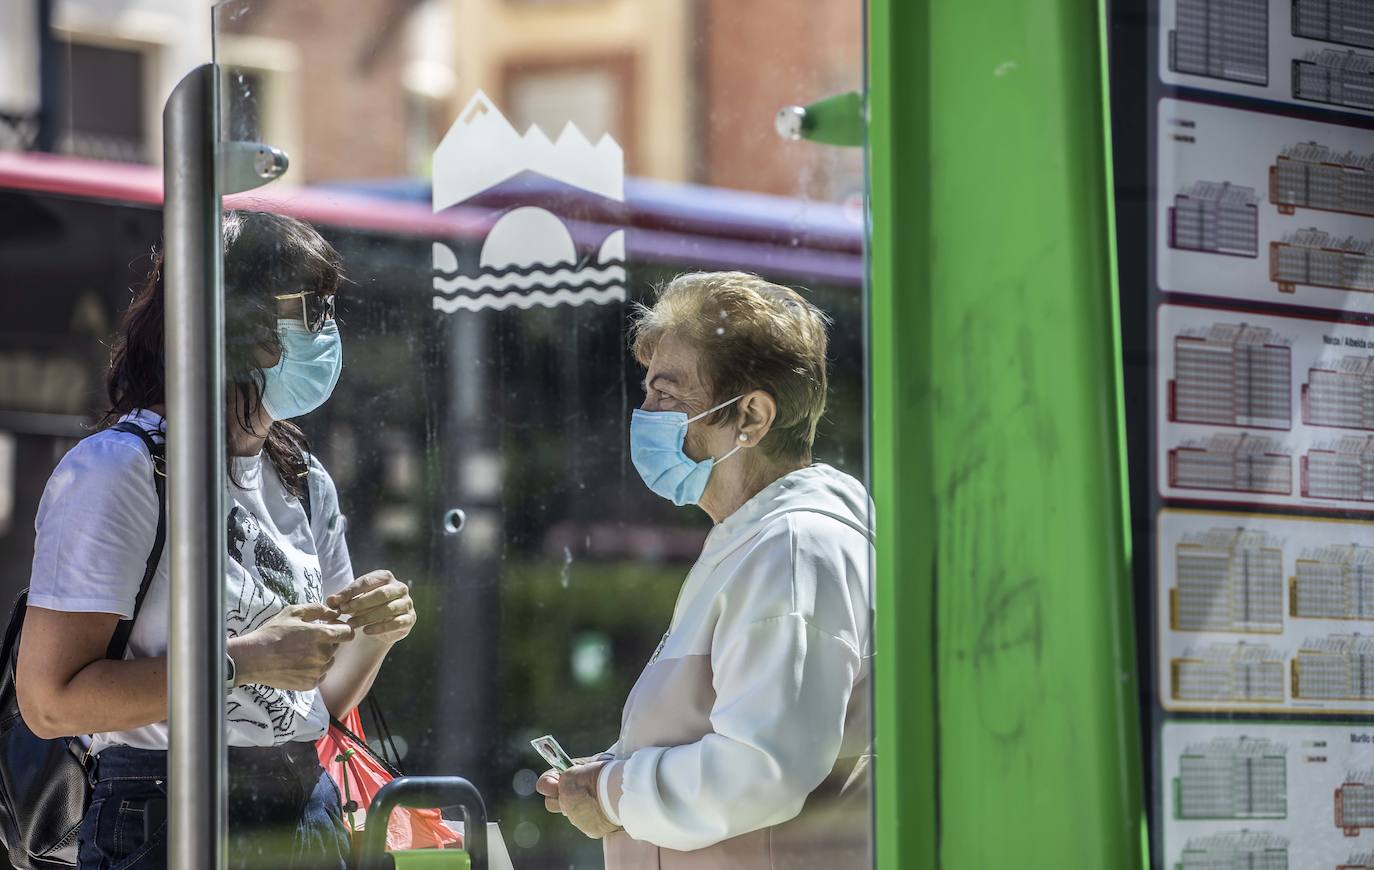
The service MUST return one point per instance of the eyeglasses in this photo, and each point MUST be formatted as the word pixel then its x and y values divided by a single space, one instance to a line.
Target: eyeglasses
pixel 316 308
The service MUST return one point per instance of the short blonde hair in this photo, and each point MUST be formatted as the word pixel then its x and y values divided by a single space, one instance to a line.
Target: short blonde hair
pixel 751 335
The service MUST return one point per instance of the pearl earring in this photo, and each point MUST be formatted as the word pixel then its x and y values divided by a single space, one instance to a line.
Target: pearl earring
pixel 743 437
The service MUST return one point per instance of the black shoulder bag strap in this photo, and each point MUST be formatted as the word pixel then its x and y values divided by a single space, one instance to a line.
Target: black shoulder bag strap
pixel 119 641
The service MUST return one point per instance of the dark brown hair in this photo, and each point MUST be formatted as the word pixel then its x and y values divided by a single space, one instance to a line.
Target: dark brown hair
pixel 264 255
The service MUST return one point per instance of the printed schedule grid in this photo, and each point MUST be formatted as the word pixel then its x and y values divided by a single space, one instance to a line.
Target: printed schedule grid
pixel 1313 53
pixel 1261 794
pixel 1264 613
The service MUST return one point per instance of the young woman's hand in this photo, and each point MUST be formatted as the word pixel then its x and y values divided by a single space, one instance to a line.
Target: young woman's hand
pixel 377 605
pixel 293 650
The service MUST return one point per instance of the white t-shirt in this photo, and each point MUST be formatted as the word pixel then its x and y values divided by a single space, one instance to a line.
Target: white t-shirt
pixel 96 524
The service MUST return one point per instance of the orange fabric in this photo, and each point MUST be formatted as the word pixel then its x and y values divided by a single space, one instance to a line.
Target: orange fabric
pixel 360 775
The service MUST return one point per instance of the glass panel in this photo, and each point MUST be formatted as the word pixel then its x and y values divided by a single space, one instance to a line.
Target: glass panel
pixel 504 183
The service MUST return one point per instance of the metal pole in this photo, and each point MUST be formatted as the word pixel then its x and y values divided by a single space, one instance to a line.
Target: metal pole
pixel 195 474
pixel 468 692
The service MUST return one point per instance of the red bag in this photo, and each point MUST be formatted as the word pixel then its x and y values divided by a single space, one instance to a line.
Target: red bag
pixel 360 774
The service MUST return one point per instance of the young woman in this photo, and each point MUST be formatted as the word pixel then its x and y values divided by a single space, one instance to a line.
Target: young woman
pixel 305 638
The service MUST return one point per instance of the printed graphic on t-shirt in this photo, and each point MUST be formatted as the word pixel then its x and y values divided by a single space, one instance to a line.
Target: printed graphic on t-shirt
pixel 274 575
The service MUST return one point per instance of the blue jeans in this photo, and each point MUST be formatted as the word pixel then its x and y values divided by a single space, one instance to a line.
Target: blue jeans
pixel 284 812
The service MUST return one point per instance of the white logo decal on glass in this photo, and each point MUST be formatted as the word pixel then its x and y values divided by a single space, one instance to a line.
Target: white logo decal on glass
pixel 528 258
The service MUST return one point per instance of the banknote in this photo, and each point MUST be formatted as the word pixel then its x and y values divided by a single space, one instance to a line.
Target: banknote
pixel 548 747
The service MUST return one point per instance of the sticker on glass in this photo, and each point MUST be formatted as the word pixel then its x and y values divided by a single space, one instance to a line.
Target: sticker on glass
pixel 530 256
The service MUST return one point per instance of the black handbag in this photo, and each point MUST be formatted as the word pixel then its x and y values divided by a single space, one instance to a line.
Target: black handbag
pixel 44 786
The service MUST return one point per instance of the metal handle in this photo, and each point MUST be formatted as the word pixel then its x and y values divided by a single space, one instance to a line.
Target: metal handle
pixel 425 792
pixel 244 166
pixel 195 482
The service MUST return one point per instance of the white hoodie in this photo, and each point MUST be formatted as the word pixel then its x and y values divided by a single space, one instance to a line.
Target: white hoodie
pixel 745 742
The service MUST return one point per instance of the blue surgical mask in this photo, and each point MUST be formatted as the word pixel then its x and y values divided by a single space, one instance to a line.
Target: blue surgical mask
pixel 307 372
pixel 656 439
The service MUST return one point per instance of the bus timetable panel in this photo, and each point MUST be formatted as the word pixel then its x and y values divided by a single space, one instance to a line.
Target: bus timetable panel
pixel 1253 466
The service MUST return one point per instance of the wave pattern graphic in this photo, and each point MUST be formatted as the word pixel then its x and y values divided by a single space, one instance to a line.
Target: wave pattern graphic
pixel 524 302
pixel 525 270
pixel 485 283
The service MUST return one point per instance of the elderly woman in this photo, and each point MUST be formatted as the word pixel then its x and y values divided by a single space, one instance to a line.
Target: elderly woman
pixel 745 742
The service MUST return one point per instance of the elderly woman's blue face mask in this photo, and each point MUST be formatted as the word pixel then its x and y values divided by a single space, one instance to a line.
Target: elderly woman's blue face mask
pixel 656 440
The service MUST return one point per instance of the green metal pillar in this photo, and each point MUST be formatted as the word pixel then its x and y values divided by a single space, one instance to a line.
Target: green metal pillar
pixel 1006 715
pixel 901 445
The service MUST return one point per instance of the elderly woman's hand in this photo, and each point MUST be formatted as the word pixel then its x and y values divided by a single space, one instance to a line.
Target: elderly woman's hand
pixel 573 793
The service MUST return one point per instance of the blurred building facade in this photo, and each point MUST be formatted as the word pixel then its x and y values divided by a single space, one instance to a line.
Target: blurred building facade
pixel 95 87
pixel 813 50
pixel 677 82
